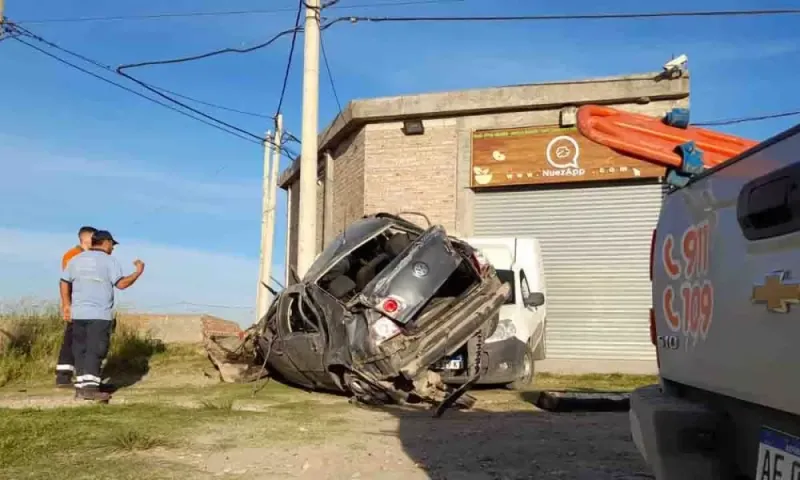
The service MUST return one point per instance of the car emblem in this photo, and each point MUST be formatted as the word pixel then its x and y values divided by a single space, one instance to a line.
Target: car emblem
pixel 419 269
pixel 776 292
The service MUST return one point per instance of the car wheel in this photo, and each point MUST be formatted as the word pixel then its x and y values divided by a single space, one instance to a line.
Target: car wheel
pixel 525 378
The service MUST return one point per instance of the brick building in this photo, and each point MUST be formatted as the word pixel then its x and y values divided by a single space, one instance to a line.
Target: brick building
pixel 478 168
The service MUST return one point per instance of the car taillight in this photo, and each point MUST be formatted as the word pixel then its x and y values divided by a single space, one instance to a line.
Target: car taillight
pixel 391 306
pixel 652 253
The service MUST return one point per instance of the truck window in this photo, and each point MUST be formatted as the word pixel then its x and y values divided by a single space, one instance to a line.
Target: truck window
pixel 507 276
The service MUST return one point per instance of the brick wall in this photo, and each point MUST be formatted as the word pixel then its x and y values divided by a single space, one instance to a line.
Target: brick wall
pixel 379 168
pixel 412 173
pixel 348 181
pixel 320 213
pixel 294 214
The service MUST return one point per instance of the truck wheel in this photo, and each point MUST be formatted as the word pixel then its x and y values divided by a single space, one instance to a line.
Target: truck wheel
pixel 526 375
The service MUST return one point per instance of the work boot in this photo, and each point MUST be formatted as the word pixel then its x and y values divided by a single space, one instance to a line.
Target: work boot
pixel 92 394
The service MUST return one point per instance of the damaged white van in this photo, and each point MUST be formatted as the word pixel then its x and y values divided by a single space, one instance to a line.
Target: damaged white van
pixel 508 356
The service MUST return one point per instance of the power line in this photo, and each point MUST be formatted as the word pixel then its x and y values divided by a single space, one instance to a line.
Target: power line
pixel 157 90
pixel 291 56
pixel 330 75
pixel 759 118
pixel 590 16
pixel 167 15
pixel 110 69
pixel 130 90
pixel 356 19
pixel 153 89
pixel 209 54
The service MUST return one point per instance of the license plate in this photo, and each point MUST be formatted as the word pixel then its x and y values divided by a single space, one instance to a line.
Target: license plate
pixel 778 456
pixel 453 363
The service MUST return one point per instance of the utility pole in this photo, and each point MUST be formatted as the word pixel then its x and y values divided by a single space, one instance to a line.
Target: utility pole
pixel 307 224
pixel 271 201
pixel 262 294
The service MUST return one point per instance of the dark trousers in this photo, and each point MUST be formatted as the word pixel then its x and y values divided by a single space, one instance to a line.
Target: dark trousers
pixel 90 342
pixel 66 360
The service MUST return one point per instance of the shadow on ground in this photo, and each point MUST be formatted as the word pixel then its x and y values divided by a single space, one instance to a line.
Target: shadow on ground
pixel 515 440
pixel 129 358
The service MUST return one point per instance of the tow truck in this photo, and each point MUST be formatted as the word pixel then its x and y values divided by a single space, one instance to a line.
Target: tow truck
pixel 725 319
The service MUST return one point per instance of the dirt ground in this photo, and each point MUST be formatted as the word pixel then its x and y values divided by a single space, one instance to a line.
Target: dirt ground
pixel 225 431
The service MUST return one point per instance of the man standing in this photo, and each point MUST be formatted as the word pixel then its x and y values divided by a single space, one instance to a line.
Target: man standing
pixel 66 363
pixel 87 299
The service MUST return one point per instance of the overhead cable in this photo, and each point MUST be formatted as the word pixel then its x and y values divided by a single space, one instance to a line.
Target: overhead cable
pixel 168 15
pixel 759 118
pixel 291 56
pixel 588 16
pixel 230 128
pixel 130 90
pixel 330 75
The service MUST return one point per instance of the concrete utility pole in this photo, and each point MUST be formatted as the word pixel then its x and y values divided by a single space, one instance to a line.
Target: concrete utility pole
pixel 262 294
pixel 271 201
pixel 307 224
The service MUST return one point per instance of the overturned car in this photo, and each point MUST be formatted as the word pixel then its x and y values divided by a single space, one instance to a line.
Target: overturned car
pixel 378 308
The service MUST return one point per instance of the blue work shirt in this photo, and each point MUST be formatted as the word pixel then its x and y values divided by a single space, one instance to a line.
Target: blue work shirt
pixel 93 275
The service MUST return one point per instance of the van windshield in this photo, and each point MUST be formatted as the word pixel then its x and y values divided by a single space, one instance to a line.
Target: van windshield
pixel 507 276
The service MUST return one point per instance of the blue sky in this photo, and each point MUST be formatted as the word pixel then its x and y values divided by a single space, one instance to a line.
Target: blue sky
pixel 185 197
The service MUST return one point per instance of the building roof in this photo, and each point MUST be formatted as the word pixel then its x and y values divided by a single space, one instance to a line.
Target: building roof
pixel 537 96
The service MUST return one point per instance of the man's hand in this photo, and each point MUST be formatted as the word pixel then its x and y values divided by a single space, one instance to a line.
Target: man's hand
pixel 66 313
pixel 139 266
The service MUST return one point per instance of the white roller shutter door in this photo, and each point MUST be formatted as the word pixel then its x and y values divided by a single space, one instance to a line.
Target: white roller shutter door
pixel 596 246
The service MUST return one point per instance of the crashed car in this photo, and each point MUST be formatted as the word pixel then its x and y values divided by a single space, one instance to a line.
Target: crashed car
pixel 379 306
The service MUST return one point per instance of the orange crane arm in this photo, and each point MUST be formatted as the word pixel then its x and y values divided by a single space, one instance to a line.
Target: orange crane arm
pixel 651 139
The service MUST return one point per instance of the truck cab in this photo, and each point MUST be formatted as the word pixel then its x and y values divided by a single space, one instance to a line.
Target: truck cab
pixel 725 265
pixel 509 354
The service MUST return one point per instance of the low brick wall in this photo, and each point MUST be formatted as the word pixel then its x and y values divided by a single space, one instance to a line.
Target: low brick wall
pixel 178 328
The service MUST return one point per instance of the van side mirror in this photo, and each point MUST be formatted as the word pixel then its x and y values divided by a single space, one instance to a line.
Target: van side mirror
pixel 534 299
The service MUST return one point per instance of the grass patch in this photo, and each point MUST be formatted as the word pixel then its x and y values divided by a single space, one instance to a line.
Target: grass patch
pixel 63 442
pixel 613 382
pixel 30 338
pixel 218 404
pixel 130 440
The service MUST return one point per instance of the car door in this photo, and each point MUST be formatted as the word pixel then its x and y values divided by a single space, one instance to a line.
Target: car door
pixel 304 343
pixel 279 359
pixel 532 315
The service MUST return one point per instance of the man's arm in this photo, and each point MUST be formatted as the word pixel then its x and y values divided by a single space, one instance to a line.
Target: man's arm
pixel 65 289
pixel 124 282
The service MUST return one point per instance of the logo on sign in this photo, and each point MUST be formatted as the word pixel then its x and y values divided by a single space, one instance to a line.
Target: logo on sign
pixel 562 154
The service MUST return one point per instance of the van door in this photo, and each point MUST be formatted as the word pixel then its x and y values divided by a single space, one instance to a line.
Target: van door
pixel 532 316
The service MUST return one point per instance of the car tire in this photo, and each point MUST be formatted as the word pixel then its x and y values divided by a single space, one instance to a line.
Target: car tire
pixel 525 380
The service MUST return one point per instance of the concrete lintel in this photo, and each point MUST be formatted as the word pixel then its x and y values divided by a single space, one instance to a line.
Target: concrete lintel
pixel 541 96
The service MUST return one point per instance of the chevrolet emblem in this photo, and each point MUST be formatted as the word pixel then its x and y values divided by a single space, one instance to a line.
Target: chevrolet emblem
pixel 776 293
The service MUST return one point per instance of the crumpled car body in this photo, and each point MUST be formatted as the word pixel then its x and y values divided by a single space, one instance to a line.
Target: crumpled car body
pixel 379 306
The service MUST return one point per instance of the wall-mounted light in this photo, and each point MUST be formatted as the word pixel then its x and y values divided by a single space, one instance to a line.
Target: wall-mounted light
pixel 413 127
pixel 568 116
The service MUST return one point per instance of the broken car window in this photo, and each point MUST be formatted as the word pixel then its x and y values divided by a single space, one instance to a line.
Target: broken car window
pixel 507 276
pixel 356 234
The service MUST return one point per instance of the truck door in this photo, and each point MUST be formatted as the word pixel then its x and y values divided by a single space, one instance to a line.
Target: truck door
pixel 727 278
